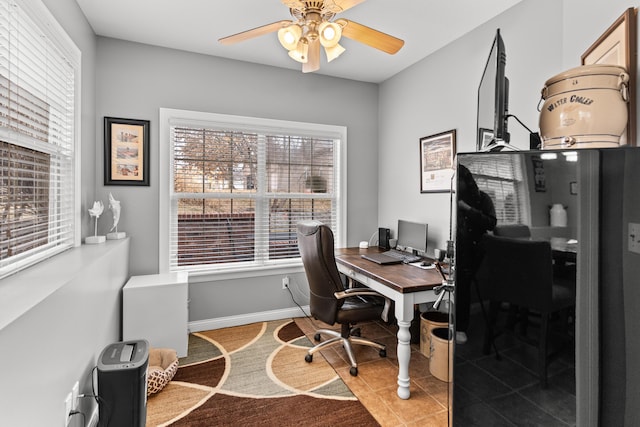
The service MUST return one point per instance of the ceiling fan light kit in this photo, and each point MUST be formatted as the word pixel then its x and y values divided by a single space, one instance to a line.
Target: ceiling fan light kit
pixel 330 33
pixel 313 26
pixel 333 52
pixel 301 52
pixel 290 36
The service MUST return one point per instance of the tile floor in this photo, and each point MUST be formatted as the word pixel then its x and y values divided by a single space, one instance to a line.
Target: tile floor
pixel 376 383
pixel 487 391
pixel 507 392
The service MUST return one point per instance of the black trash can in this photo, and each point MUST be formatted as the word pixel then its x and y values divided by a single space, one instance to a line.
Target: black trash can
pixel 122 384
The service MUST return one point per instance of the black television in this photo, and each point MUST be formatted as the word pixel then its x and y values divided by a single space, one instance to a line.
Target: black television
pixel 493 100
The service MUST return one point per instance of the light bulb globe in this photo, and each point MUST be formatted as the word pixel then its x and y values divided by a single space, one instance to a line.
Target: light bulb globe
pixel 330 33
pixel 289 36
pixel 300 53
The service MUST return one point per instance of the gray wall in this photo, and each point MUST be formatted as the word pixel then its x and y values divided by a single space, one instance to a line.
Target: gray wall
pixel 583 23
pixel 543 37
pixel 57 342
pixel 558 175
pixel 436 94
pixel 439 93
pixel 135 80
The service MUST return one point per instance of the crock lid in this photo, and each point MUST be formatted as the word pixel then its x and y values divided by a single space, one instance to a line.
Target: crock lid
pixel 587 70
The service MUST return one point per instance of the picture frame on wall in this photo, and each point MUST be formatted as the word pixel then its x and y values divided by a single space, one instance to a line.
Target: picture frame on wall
pixel 539 178
pixel 437 153
pixel 618 46
pixel 126 151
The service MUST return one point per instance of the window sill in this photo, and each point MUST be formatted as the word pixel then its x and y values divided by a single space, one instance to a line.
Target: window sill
pixel 24 290
pixel 247 272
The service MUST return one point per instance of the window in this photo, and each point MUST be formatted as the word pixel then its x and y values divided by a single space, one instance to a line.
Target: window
pixel 501 177
pixel 38 128
pixel 237 186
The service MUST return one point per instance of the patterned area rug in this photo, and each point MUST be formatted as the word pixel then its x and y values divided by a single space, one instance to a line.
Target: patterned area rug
pixel 255 375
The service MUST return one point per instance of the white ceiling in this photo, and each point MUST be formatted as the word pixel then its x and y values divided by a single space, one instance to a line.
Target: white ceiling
pixel 196 26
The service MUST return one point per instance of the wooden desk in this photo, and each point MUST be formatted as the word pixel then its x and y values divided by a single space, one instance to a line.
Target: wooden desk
pixel 406 285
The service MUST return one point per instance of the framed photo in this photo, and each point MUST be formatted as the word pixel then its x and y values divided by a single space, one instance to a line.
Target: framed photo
pixel 436 162
pixel 618 46
pixel 539 178
pixel 126 151
pixel 485 136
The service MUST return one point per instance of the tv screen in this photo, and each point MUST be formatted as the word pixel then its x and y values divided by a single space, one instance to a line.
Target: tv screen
pixel 493 99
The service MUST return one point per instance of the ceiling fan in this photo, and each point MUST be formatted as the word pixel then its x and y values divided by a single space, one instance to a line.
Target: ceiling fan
pixel 314 26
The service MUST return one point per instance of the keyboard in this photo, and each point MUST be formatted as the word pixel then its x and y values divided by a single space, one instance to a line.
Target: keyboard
pixel 404 256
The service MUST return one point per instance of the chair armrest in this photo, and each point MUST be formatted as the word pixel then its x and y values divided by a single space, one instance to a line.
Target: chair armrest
pixel 356 292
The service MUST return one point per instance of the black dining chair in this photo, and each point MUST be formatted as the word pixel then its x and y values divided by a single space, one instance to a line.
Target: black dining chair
pixel 521 231
pixel 512 230
pixel 520 272
pixel 330 301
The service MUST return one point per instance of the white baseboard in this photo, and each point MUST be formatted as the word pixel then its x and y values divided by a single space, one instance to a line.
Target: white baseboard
pixel 245 319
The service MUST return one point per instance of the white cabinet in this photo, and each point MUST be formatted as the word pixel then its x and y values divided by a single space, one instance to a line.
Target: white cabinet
pixel 155 308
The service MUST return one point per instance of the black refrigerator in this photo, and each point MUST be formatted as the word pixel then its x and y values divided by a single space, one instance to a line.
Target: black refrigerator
pixel 589 201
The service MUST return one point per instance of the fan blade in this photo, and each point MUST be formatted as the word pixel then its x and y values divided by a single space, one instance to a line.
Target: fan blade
pixel 369 36
pixel 346 4
pixel 255 32
pixel 313 57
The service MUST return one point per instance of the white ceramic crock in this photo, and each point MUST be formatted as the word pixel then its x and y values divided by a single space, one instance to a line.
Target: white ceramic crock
pixel 584 107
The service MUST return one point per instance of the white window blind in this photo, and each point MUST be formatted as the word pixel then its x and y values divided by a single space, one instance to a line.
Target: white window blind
pixel 501 177
pixel 237 193
pixel 38 70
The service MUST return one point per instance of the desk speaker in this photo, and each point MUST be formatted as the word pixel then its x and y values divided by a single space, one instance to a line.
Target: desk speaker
pixel 384 234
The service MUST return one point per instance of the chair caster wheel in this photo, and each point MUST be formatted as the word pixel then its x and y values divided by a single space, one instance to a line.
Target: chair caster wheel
pixel 308 358
pixel 383 353
pixel 316 337
pixel 353 371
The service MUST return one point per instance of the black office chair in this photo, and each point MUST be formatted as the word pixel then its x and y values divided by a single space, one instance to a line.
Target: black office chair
pixel 330 301
pixel 520 272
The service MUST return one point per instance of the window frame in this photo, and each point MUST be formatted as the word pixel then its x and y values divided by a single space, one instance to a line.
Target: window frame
pixel 518 183
pixel 169 117
pixel 50 28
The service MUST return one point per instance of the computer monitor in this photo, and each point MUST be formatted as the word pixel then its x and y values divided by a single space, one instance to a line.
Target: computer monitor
pixel 412 236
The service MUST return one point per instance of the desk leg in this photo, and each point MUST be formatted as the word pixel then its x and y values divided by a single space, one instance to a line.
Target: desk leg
pixel 404 355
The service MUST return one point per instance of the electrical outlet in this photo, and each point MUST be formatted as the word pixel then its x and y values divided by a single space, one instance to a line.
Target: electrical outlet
pixel 285 282
pixel 634 237
pixel 75 391
pixel 67 409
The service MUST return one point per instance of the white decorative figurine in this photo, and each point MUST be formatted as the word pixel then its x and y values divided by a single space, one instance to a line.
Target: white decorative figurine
pixel 95 212
pixel 114 205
